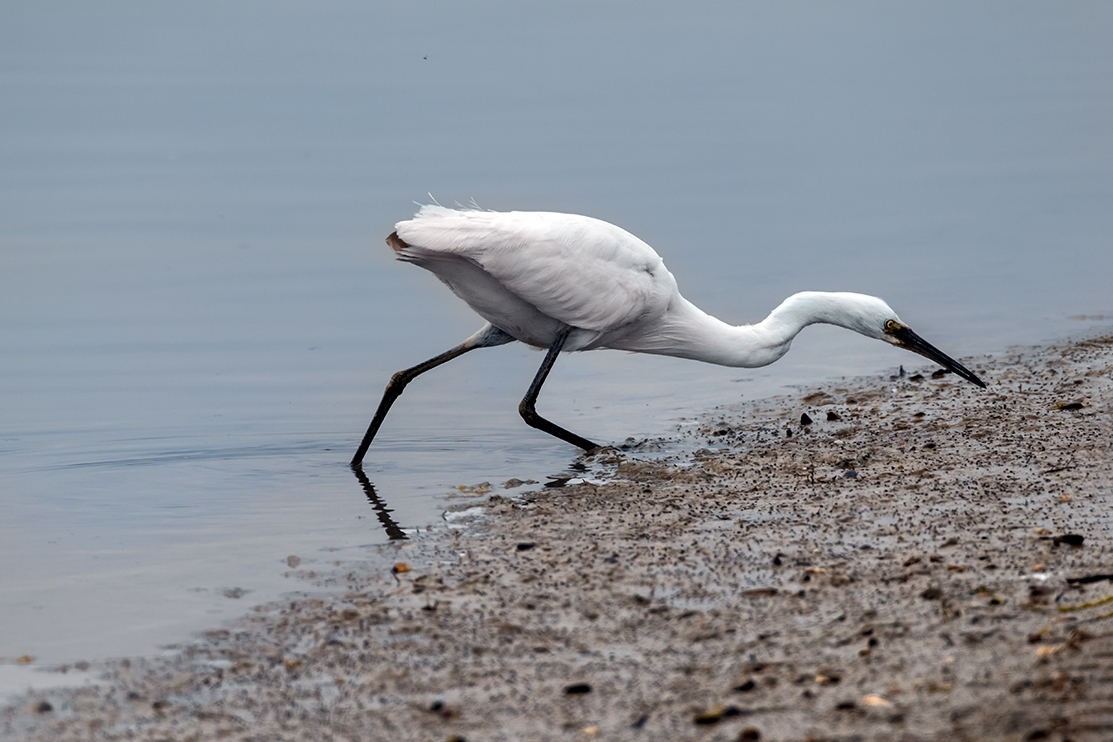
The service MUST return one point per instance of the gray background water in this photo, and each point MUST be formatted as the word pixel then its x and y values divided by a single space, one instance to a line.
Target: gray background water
pixel 198 313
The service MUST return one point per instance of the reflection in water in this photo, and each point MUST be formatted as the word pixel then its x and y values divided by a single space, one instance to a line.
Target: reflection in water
pixel 393 530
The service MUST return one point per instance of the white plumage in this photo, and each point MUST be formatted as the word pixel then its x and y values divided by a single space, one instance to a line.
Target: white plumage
pixel 528 273
pixel 569 282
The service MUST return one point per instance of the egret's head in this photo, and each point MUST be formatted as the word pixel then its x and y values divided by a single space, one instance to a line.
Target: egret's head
pixel 867 315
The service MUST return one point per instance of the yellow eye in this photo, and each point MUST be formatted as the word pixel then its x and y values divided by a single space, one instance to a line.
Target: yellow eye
pixel 891 325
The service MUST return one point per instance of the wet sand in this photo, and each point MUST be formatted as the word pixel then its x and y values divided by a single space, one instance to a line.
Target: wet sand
pixel 925 560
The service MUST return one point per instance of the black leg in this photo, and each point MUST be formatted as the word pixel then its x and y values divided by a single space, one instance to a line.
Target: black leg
pixel 487 337
pixel 529 414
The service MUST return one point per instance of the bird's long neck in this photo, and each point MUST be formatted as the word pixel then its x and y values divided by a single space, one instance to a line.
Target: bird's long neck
pixel 689 332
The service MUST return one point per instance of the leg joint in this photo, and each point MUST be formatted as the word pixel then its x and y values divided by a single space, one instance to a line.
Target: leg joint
pixel 399 379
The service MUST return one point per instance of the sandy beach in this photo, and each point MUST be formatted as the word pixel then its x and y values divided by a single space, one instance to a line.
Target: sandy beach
pixel 885 558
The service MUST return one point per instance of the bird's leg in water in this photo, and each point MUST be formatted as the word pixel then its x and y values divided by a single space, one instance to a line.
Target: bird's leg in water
pixel 529 414
pixel 488 337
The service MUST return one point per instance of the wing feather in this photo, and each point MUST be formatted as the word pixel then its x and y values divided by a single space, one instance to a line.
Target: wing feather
pixel 581 271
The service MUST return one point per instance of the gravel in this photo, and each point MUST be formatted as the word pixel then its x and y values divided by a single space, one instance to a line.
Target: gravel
pixel 924 560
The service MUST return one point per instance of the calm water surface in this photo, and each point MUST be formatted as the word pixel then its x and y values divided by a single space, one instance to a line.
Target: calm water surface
pixel 198 313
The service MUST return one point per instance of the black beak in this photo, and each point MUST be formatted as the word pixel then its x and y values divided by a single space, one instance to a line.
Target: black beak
pixel 917 344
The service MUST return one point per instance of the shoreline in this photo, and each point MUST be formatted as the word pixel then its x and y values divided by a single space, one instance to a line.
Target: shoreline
pixel 895 569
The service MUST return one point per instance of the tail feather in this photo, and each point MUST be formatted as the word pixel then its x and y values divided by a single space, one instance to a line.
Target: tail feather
pixel 396 243
pixel 408 253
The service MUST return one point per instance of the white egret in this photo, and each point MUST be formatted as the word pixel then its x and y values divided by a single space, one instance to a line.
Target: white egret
pixel 564 282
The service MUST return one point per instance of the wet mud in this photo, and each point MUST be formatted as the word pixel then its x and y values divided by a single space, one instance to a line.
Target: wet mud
pixel 906 558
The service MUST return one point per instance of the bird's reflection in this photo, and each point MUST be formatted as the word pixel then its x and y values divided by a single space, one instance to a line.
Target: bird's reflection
pixel 382 512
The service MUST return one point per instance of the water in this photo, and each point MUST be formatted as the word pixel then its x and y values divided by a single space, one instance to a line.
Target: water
pixel 198 313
